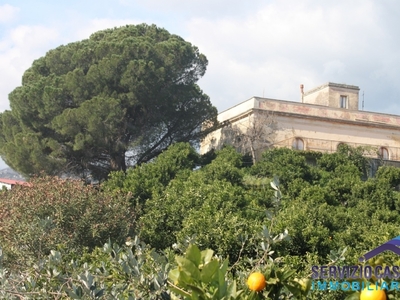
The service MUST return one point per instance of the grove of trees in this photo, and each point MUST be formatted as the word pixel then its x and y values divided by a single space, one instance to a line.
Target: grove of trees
pixel 185 226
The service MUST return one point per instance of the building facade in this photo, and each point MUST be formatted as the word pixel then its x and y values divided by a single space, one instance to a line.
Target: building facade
pixel 326 117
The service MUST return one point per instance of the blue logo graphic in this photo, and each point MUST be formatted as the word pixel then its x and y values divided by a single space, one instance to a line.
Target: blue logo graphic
pixel 391 245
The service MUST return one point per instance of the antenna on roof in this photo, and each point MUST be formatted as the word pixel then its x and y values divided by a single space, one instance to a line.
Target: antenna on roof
pixel 363 102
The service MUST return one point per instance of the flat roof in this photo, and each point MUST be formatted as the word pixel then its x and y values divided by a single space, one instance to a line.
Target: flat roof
pixel 310 110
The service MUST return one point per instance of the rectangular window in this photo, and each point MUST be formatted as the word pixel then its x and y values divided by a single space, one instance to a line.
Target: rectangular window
pixel 343 102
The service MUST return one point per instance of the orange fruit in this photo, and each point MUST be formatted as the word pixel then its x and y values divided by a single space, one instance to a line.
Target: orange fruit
pixel 371 293
pixel 256 281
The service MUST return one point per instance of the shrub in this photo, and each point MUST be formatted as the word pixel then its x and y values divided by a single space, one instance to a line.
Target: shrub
pixel 55 213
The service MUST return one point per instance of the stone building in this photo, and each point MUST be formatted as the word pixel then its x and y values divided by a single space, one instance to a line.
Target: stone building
pixel 326 117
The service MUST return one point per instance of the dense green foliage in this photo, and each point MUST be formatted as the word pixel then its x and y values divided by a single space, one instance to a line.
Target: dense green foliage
pixel 133 271
pixel 144 180
pixel 246 219
pixel 60 214
pixel 116 99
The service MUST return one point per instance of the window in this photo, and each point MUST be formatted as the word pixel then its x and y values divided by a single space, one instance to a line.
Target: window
pixel 343 102
pixel 298 144
pixel 383 153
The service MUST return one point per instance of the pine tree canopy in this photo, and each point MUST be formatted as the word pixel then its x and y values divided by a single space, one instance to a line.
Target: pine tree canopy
pixel 112 101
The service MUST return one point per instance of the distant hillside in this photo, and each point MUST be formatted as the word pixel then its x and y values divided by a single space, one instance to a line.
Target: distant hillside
pixel 9 173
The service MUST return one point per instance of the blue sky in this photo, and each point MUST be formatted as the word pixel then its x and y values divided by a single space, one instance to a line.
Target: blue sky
pixel 257 48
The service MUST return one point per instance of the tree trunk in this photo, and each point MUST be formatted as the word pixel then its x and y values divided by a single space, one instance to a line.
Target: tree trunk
pixel 117 162
pixel 253 153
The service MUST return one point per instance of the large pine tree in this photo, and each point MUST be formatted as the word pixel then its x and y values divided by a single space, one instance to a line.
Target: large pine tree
pixel 116 99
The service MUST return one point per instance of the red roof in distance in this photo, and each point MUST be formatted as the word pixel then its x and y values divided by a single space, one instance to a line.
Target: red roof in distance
pixel 12 181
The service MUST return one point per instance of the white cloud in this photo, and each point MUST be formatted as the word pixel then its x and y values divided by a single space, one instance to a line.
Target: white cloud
pixel 334 67
pixel 196 7
pixel 289 42
pixel 8 13
pixel 34 37
pixel 18 49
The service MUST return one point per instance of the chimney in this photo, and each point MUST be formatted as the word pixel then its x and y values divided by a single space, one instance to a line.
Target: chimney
pixel 302 92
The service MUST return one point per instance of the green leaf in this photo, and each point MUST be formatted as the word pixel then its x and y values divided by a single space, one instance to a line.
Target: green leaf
pixel 224 266
pixel 273 185
pixel 184 279
pixel 193 254
pixel 272 280
pixel 285 275
pixel 222 285
pixel 206 255
pixel 209 270
pixel 353 296
pixel 173 275
pixel 294 288
pixel 231 291
pixel 188 267
pixel 196 289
